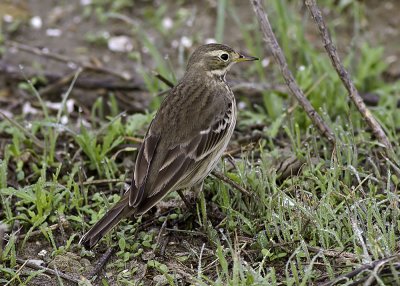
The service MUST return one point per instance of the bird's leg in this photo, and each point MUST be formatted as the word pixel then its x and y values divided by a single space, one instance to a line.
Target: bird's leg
pixel 196 190
pixel 184 199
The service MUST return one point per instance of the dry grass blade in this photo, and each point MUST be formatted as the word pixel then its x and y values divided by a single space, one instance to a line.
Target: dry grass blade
pixel 35 140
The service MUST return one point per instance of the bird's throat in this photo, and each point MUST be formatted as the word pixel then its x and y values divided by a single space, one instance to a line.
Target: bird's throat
pixel 218 74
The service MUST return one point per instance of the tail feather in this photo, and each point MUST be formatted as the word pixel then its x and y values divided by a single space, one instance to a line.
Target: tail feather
pixel 107 222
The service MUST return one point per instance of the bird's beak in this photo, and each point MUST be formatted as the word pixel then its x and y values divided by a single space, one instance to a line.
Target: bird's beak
pixel 244 58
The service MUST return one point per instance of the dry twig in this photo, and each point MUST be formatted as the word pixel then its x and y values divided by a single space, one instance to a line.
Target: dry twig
pixel 344 75
pixel 164 79
pixel 365 267
pixel 231 183
pixel 64 59
pixel 11 72
pixel 276 50
pixel 62 223
pixel 101 182
pixel 342 256
pixel 63 81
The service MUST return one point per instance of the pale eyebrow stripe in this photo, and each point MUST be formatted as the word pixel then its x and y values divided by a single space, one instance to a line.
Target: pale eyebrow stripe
pixel 216 53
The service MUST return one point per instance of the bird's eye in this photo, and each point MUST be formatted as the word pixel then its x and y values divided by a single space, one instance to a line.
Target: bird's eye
pixel 224 57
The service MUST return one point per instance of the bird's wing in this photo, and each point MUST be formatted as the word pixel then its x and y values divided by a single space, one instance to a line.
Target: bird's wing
pixel 178 161
pixel 142 167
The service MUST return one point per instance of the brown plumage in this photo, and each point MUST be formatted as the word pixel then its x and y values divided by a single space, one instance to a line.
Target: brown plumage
pixel 185 139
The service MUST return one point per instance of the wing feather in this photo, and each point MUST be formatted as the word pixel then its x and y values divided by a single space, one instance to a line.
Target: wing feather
pixel 143 163
pixel 178 165
pixel 180 160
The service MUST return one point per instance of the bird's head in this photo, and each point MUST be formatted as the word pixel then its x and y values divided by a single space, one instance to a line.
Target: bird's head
pixel 215 59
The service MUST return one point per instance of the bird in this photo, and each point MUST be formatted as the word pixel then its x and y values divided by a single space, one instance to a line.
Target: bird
pixel 184 141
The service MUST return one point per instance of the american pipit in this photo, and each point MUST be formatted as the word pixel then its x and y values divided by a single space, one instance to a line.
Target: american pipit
pixel 185 140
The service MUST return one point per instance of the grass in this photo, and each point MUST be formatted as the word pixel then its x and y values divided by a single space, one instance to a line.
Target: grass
pixel 338 212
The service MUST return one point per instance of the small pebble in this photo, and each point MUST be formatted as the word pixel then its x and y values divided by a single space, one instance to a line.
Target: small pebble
pixel 55 33
pixel 36 22
pixel 120 44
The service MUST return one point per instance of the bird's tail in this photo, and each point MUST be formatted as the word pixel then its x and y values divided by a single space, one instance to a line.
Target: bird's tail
pixel 107 222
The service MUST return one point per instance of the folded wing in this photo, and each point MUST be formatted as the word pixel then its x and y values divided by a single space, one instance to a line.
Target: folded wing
pixel 180 164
